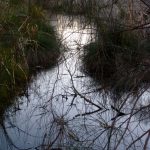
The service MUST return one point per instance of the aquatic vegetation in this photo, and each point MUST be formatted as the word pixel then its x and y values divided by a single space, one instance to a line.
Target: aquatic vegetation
pixel 116 59
pixel 64 108
pixel 28 43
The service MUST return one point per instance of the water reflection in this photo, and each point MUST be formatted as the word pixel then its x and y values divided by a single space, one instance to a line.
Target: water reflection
pixel 62 109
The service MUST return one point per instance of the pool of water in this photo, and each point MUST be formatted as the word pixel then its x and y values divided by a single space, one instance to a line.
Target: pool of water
pixel 64 108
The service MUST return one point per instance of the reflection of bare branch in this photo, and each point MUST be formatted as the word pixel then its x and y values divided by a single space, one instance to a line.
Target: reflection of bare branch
pixel 10 140
pixel 146 142
pixel 86 99
pixel 82 96
pixel 53 142
pixel 104 120
pixel 88 113
pixel 148 131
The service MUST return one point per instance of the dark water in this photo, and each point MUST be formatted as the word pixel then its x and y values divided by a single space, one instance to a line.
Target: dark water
pixel 62 107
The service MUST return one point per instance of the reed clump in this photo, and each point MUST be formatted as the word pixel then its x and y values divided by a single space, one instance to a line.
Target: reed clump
pixel 117 59
pixel 27 43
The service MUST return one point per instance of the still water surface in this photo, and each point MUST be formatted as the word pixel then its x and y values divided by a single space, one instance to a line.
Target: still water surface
pixel 53 110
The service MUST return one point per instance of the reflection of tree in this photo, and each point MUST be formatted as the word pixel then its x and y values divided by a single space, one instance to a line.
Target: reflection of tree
pixel 79 117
